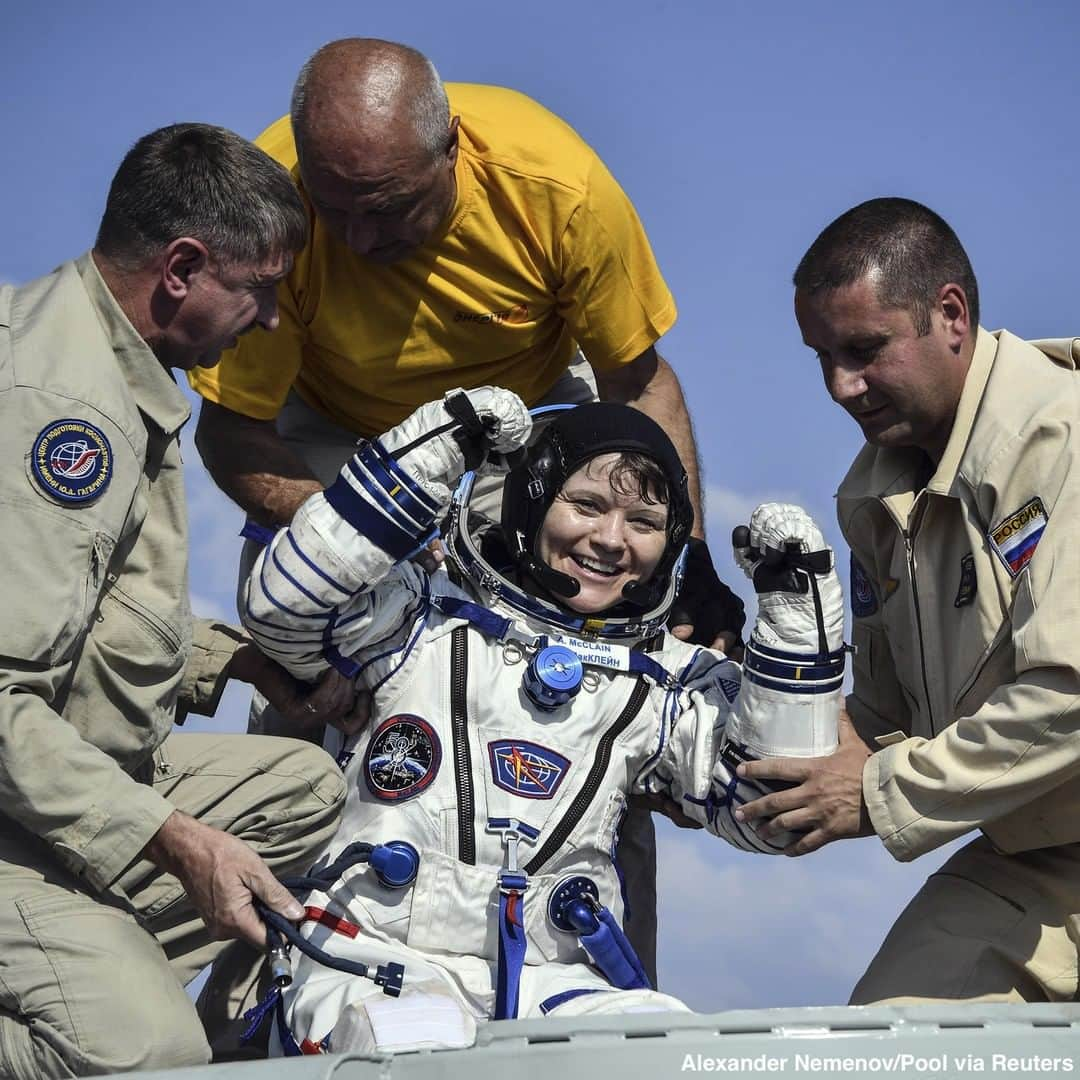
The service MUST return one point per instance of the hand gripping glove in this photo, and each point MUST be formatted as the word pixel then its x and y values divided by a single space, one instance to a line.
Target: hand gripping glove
pixel 794 666
pixel 394 489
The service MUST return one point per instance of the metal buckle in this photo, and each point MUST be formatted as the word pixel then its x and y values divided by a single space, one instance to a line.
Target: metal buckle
pixel 513 831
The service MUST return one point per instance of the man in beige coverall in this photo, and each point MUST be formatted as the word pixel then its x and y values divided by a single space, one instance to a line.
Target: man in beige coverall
pixel 961 515
pixel 124 852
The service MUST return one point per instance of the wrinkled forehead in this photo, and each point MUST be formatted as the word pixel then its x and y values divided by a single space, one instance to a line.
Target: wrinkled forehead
pixel 265 271
pixel 375 156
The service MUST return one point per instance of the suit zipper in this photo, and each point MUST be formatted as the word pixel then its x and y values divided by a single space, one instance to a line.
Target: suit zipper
pixel 459 721
pixel 909 545
pixel 595 778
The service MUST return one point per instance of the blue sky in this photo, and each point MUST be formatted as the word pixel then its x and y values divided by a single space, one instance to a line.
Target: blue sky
pixel 739 131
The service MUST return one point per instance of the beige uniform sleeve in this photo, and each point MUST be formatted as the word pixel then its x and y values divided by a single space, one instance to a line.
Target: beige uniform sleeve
pixel 207 671
pixel 1021 742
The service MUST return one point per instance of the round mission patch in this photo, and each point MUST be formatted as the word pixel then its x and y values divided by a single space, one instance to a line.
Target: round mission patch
pixel 402 758
pixel 72 461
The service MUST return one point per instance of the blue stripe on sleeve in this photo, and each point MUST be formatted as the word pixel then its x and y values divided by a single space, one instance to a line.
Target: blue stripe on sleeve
pixel 296 584
pixel 310 563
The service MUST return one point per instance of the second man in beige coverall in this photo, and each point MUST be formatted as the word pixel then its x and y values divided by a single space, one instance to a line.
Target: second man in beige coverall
pixel 961 514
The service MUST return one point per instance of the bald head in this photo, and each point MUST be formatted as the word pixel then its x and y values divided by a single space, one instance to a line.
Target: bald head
pixel 370 95
pixel 376 145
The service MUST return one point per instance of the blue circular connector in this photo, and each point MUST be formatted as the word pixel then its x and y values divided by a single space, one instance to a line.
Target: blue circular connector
pixel 395 864
pixel 570 907
pixel 553 677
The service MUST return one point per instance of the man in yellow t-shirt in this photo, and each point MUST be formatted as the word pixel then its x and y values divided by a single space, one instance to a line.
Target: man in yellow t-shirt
pixel 462 243
pixel 461 236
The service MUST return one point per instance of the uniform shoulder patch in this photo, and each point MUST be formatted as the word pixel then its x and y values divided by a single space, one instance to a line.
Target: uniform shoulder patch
pixel 402 758
pixel 863 598
pixel 72 461
pixel 526 768
pixel 1017 537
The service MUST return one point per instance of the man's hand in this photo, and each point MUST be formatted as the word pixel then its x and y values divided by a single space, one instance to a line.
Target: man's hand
pixel 429 559
pixel 332 700
pixel 706 611
pixel 826 802
pixel 222 876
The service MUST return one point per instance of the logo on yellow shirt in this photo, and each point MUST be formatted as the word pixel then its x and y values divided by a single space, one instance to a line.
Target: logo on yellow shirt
pixel 519 313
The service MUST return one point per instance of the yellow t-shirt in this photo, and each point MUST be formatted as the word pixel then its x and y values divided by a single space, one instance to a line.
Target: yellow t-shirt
pixel 543 250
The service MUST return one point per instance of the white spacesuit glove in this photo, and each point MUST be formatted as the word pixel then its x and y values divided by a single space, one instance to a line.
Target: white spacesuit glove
pixel 489 423
pixel 785 556
pixel 394 489
pixel 790 699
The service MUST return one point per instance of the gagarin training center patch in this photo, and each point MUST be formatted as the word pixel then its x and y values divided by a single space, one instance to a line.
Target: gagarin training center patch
pixel 72 461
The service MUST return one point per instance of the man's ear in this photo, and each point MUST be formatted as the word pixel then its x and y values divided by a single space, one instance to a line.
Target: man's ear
pixel 184 258
pixel 953 305
pixel 453 141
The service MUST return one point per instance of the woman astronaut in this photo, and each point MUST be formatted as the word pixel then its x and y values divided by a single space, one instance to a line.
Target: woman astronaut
pixel 522 692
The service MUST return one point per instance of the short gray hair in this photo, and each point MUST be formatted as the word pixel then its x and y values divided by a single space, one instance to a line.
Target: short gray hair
pixel 207 183
pixel 428 107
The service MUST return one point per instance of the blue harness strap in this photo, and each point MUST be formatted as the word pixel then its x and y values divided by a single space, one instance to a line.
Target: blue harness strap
pixel 642 664
pixel 257 1013
pixel 484 619
pixel 274 1003
pixel 498 627
pixel 512 944
pixel 512 941
pixel 553 1002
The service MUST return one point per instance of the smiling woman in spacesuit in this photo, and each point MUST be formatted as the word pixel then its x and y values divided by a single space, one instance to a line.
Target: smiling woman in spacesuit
pixel 522 692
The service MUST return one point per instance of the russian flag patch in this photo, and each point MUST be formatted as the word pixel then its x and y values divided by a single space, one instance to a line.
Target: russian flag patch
pixel 1017 537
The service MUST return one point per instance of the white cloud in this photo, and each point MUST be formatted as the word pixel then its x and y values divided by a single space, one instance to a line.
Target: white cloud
pixel 211 607
pixel 747 931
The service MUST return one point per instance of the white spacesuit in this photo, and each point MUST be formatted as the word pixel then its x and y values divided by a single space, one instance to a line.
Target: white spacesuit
pixel 509 730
